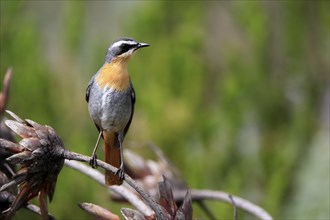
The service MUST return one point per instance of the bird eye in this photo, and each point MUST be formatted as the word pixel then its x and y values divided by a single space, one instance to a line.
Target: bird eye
pixel 125 47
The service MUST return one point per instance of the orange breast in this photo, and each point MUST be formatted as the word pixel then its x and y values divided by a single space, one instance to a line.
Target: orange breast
pixel 114 75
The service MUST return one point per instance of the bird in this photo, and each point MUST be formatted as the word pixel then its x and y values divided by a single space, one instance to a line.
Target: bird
pixel 111 98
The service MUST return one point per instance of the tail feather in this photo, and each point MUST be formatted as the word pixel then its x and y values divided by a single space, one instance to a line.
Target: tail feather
pixel 112 157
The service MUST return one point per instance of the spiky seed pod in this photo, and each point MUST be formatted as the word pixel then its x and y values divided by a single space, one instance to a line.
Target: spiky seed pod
pixel 40 158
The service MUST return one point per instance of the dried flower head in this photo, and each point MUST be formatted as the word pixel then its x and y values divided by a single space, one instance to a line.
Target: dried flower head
pixel 40 158
pixel 148 173
pixel 166 205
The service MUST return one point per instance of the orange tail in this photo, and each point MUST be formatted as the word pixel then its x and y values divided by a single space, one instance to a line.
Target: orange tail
pixel 112 157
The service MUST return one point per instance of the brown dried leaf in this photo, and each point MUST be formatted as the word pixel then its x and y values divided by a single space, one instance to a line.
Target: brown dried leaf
pixel 19 157
pixel 185 211
pixel 22 130
pixel 30 143
pixel 98 212
pixel 10 146
pixel 166 198
pixel 14 116
pixel 131 214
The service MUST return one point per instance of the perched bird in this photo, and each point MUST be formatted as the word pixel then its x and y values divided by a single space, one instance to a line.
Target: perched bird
pixel 111 97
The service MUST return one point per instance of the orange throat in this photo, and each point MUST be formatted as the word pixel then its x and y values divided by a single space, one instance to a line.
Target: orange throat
pixel 114 75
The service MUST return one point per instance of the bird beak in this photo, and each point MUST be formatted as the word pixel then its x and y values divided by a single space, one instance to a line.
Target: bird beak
pixel 142 45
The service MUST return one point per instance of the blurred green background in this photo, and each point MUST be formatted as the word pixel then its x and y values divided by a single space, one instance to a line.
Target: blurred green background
pixel 236 93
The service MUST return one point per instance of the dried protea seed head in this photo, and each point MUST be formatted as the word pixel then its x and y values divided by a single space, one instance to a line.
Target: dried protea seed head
pixel 40 156
pixel 148 173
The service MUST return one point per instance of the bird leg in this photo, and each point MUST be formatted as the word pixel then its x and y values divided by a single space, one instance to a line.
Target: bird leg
pixel 93 160
pixel 120 172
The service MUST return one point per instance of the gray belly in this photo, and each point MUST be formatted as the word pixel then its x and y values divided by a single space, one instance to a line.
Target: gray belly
pixel 111 110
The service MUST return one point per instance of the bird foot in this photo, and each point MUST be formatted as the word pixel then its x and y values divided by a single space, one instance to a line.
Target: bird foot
pixel 120 173
pixel 93 161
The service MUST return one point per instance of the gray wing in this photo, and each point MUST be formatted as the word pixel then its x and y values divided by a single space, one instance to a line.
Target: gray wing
pixel 132 113
pixel 88 89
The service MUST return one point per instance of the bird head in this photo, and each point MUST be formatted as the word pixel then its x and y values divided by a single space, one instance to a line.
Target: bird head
pixel 123 48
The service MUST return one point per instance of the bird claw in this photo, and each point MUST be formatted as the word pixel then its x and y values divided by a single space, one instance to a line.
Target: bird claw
pixel 120 173
pixel 93 161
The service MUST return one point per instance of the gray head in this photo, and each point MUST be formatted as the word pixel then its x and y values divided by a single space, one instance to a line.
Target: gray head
pixel 123 47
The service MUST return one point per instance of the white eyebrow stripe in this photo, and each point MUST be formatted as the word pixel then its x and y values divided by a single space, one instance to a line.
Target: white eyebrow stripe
pixel 118 43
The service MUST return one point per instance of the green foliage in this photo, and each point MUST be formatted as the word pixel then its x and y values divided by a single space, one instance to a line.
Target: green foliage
pixel 20 40
pixel 231 91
